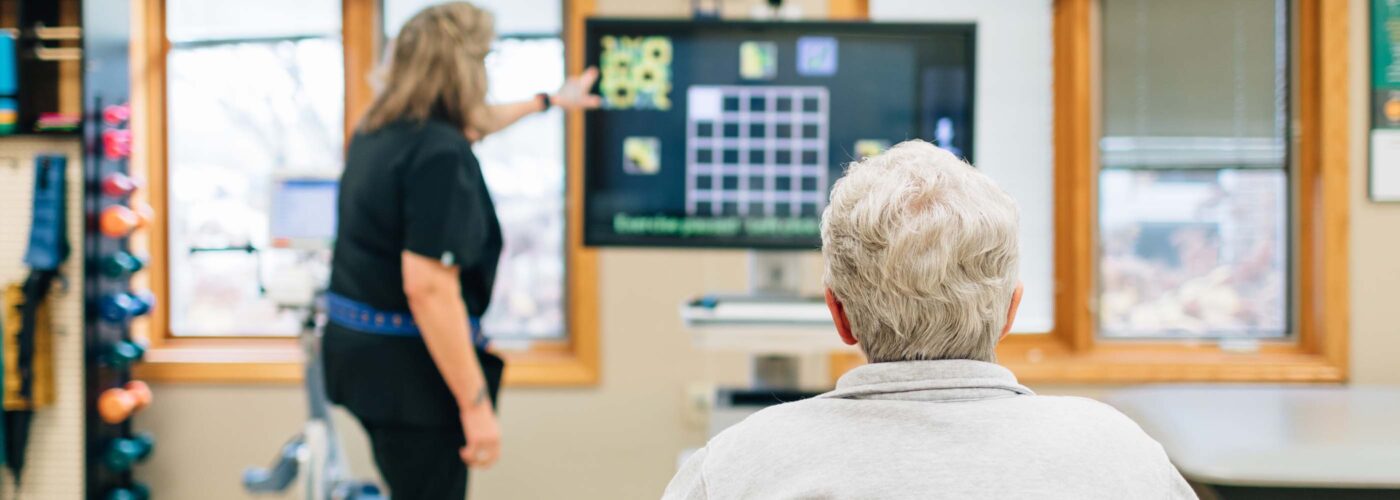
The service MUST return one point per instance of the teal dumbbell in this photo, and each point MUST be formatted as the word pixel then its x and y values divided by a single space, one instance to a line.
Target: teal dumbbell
pixel 121 264
pixel 146 444
pixel 121 454
pixel 122 354
pixel 136 491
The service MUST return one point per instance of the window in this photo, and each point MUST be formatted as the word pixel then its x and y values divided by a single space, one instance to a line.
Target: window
pixel 1193 186
pixel 524 169
pixel 1200 188
pixel 226 102
pixel 251 97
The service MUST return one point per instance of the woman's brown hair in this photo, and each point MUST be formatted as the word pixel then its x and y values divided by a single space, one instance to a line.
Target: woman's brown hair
pixel 436 68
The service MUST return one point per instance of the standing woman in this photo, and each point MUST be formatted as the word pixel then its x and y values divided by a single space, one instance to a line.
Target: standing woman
pixel 415 257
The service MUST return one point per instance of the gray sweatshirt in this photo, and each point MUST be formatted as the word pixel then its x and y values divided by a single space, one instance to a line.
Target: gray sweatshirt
pixel 932 429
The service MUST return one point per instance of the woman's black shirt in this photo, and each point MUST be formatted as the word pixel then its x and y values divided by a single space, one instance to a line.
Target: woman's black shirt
pixel 416 187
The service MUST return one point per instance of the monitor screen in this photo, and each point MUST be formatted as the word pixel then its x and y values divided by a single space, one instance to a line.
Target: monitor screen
pixel 730 134
pixel 303 213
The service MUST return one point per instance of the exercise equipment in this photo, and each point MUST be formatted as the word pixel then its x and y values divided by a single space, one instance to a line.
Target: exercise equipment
pixel 121 265
pixel 9 84
pixel 32 341
pixel 122 354
pixel 121 307
pixel 115 405
pixel 116 114
pixel 118 185
pixel 314 454
pixel 116 144
pixel 122 453
pixel 136 491
pixel 141 392
pixel 118 404
pixel 118 221
pixel 145 215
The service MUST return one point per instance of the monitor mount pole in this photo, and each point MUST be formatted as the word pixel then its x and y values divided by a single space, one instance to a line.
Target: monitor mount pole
pixel 775 275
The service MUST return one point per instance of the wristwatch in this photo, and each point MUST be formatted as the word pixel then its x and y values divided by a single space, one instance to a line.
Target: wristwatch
pixel 544 100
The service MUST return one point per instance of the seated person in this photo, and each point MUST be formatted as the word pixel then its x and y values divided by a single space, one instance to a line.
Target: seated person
pixel 921 273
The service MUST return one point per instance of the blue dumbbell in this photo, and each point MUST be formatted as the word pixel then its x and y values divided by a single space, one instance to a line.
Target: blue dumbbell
pixel 145 301
pixel 118 307
pixel 121 307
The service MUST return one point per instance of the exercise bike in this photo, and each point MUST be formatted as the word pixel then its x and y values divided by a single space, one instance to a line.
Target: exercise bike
pixel 303 220
pixel 313 455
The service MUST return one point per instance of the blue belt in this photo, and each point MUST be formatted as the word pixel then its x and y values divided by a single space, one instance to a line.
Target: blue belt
pixel 361 317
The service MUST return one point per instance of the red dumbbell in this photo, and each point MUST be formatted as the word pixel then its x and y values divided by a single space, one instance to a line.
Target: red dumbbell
pixel 116 114
pixel 116 144
pixel 118 185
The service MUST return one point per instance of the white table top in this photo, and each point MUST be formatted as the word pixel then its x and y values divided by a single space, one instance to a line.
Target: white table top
pixel 1293 436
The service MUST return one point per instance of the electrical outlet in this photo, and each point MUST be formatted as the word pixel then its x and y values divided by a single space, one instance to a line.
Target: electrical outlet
pixel 699 400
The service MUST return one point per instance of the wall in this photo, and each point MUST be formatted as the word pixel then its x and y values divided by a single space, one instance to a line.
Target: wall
pixel 619 440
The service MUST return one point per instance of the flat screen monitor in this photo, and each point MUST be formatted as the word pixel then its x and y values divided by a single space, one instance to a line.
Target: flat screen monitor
pixel 303 212
pixel 731 134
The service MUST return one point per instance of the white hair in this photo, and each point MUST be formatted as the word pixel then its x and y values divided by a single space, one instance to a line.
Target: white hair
pixel 921 249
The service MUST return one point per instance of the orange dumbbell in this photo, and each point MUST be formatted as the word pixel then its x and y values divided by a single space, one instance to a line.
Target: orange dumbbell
pixel 144 213
pixel 141 392
pixel 115 405
pixel 118 221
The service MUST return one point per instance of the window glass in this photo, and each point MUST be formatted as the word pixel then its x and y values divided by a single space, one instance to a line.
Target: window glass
pixel 524 168
pixel 205 20
pixel 1192 253
pixel 251 99
pixel 1193 191
pixel 513 17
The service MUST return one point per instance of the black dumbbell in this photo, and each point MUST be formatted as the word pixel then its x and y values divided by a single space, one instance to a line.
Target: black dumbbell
pixel 121 264
pixel 122 354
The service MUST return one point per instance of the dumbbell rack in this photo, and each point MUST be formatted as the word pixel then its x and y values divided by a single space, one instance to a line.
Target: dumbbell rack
pixel 109 346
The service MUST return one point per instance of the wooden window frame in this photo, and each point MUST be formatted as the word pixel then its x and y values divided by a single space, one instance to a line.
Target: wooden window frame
pixel 573 362
pixel 1317 352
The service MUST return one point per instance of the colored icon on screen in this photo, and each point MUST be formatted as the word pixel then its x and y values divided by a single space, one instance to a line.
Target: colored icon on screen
pixel 758 60
pixel 816 56
pixel 866 148
pixel 641 155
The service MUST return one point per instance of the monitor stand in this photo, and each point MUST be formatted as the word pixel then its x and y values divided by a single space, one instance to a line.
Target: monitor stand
pixel 775 275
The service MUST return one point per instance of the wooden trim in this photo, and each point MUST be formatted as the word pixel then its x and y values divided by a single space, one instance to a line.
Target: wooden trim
pixel 1075 170
pixel 362 30
pixel 582 366
pixel 1322 177
pixel 851 10
pixel 1071 353
pixel 148 51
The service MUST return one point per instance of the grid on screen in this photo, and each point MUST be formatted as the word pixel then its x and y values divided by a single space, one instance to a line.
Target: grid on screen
pixel 756 151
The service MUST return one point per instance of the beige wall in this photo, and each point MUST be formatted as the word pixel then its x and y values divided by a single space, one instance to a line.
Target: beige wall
pixel 620 439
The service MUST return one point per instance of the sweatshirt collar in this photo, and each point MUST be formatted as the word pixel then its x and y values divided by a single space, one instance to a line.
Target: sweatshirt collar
pixel 933 381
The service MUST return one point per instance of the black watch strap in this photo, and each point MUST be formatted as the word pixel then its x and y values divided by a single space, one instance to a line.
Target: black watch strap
pixel 545 103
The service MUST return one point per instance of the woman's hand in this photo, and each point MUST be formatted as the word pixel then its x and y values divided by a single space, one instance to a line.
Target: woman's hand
pixel 575 92
pixel 483 436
